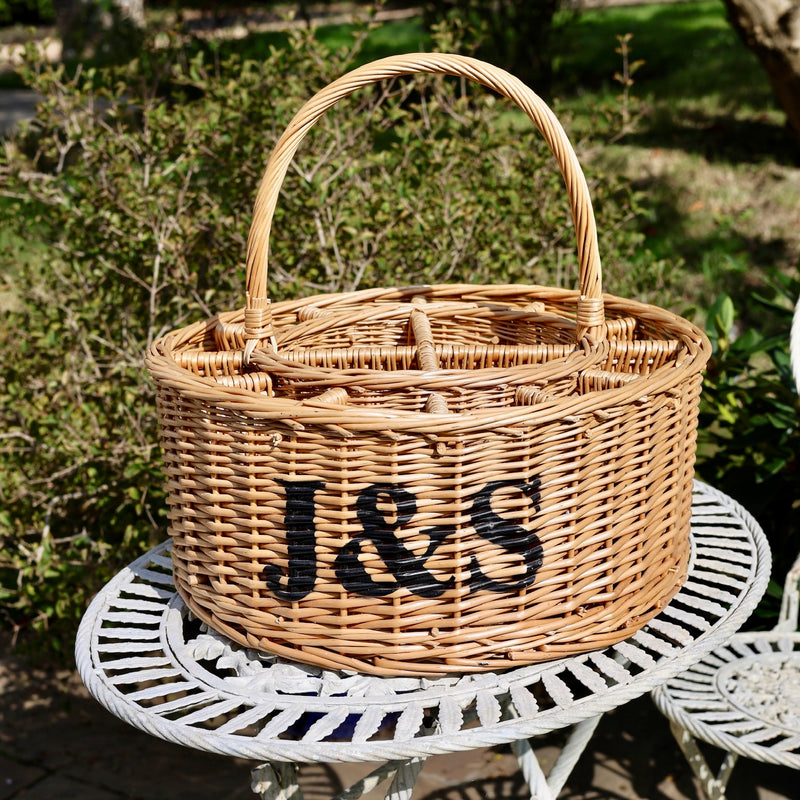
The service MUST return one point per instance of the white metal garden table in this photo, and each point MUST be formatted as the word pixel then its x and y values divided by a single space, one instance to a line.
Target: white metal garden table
pixel 147 661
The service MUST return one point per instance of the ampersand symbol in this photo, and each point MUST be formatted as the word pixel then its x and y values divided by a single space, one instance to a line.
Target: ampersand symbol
pixel 407 569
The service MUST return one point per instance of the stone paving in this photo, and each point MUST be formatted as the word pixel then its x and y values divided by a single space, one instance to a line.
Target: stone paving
pixel 58 743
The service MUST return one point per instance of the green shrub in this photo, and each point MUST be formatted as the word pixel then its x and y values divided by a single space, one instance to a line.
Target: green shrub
pixel 749 438
pixel 138 183
pixel 26 12
pixel 515 36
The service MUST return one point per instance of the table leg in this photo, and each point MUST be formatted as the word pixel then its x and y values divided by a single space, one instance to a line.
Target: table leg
pixel 276 781
pixel 406 776
pixel 547 788
pixel 713 787
pixel 279 781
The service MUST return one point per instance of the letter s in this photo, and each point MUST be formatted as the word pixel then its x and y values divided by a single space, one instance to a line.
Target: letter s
pixel 512 538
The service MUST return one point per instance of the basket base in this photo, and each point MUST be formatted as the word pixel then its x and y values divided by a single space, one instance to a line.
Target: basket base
pixel 470 657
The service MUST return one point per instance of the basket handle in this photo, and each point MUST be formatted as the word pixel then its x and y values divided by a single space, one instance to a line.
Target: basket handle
pixel 590 314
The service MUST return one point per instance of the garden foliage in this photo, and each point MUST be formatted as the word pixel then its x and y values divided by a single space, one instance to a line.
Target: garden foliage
pixel 26 11
pixel 137 184
pixel 750 416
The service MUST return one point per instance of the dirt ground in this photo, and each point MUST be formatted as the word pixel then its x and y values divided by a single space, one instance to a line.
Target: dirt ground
pixel 58 743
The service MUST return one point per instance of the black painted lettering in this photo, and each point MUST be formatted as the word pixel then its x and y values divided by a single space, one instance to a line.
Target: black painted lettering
pixel 404 568
pixel 301 536
pixel 512 538
pixel 407 570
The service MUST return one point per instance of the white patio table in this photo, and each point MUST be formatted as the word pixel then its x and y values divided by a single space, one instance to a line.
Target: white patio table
pixel 142 655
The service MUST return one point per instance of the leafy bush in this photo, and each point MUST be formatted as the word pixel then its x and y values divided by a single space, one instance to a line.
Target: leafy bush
pixel 26 12
pixel 749 439
pixel 139 180
pixel 515 36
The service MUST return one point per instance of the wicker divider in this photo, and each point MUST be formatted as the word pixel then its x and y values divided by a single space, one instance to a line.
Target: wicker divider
pixel 417 480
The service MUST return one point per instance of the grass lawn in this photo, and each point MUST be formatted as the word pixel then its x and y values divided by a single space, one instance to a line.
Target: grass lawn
pixel 690 52
pixel 709 151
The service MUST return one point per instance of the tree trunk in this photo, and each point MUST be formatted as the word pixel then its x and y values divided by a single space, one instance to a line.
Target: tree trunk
pixel 95 29
pixel 771 29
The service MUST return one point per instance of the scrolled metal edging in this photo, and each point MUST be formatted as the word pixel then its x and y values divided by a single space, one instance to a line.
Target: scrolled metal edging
pixel 504 731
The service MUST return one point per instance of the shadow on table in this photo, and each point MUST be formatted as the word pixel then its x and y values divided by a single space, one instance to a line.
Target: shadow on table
pixel 632 756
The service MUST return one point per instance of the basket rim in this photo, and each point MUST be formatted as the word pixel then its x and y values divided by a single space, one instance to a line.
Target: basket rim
pixel 348 420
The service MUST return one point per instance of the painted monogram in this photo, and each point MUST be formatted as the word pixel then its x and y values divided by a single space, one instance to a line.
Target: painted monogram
pixel 407 569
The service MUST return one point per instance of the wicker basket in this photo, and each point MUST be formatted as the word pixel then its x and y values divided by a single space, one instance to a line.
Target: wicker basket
pixel 430 479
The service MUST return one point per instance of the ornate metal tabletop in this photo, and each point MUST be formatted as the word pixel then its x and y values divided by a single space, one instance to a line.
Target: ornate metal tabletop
pixel 147 661
pixel 744 697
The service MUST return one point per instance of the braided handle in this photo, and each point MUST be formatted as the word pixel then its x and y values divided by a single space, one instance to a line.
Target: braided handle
pixel 590 306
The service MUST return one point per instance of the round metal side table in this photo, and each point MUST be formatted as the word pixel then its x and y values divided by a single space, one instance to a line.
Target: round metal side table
pixel 143 657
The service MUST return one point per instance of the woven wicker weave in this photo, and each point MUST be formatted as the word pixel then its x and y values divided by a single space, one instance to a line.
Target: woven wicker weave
pixel 426 479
